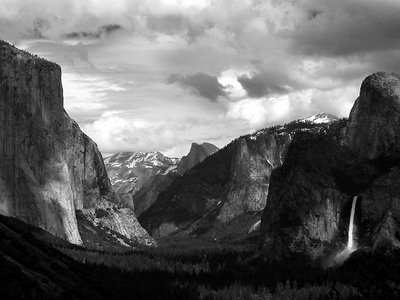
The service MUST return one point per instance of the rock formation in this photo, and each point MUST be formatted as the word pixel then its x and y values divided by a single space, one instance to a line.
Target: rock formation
pixel 48 167
pixel 252 165
pixel 311 194
pixel 226 193
pixel 373 133
pixel 196 155
pixel 139 177
pixel 304 205
pixel 374 124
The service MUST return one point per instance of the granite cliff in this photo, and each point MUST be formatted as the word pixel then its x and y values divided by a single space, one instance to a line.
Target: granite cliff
pixel 373 134
pixel 373 129
pixel 48 167
pixel 197 153
pixel 309 203
pixel 223 196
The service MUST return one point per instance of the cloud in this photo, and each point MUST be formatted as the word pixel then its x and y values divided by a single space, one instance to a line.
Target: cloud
pixel 280 109
pixel 177 24
pixel 201 84
pixel 115 133
pixel 100 32
pixel 258 63
pixel 342 28
pixel 262 84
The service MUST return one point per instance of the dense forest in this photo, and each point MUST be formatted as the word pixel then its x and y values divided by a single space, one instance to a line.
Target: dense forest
pixel 224 272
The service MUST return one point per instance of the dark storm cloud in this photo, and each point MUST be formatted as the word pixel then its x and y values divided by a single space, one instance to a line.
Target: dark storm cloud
pixel 343 28
pixel 201 84
pixel 262 84
pixel 101 31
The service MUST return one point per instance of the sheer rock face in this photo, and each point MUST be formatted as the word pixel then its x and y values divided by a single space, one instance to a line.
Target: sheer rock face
pixel 310 196
pixel 374 124
pixel 251 168
pixel 196 155
pixel 304 206
pixel 226 193
pixel 232 183
pixel 48 167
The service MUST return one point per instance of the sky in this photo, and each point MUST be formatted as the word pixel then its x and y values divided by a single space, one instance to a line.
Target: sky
pixel 158 75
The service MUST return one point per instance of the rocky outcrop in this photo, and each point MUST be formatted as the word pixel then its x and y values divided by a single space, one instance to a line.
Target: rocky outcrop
pixel 196 155
pixel 48 167
pixel 373 134
pixel 310 196
pixel 226 193
pixel 373 129
pixel 120 220
pixel 304 206
pixel 252 165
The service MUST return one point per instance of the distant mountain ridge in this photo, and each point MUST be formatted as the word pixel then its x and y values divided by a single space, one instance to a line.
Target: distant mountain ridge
pixel 138 177
pixel 128 171
pixel 224 195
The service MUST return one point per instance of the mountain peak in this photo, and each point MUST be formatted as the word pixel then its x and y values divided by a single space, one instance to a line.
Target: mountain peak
pixel 319 118
pixel 133 159
pixel 382 82
pixel 373 127
pixel 197 153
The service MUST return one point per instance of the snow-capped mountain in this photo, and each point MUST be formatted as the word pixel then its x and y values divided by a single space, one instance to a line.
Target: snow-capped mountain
pixel 139 177
pixel 319 118
pixel 129 171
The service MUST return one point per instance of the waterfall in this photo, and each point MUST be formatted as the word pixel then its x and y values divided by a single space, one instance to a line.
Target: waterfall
pixel 350 241
pixel 343 255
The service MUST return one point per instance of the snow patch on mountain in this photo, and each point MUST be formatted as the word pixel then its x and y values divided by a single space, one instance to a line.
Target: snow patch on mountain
pixel 129 171
pixel 320 118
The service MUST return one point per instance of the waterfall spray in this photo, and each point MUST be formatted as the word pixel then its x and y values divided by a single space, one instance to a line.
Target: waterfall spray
pixel 350 241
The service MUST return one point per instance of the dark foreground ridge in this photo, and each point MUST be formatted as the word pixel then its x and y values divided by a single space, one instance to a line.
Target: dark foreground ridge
pixel 35 265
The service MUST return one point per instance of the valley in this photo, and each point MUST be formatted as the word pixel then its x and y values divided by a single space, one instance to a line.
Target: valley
pixel 195 271
pixel 262 218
